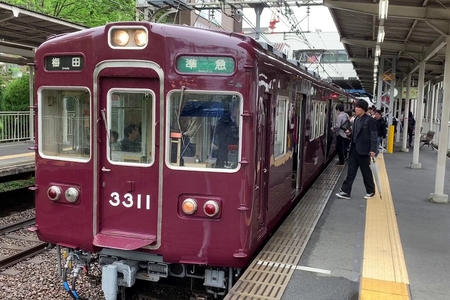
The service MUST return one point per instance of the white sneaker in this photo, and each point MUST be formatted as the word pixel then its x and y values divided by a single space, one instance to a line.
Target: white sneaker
pixel 368 196
pixel 343 195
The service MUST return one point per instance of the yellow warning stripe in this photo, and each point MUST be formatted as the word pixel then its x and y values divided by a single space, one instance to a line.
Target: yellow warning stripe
pixel 384 274
pixel 17 155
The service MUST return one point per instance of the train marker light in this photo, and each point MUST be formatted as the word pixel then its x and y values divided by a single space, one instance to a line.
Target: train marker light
pixel 189 206
pixel 211 208
pixel 54 193
pixel 120 37
pixel 72 194
pixel 140 38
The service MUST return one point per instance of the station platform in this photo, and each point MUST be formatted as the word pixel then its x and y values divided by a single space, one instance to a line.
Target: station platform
pixel 391 247
pixel 16 160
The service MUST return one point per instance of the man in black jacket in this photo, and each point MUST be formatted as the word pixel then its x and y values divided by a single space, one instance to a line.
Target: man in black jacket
pixel 363 146
pixel 381 127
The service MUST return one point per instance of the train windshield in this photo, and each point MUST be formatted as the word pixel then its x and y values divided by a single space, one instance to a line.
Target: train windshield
pixel 204 130
pixel 64 123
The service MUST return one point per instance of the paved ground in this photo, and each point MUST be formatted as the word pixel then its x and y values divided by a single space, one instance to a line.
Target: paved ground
pixel 335 249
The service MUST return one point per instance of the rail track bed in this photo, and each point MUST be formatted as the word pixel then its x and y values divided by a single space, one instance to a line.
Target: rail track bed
pixel 17 244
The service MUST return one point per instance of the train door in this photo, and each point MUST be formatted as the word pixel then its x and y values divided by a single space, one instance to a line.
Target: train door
pixel 300 102
pixel 263 161
pixel 329 122
pixel 127 163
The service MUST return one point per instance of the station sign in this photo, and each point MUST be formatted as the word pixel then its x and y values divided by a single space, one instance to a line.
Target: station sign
pixel 222 65
pixel 387 76
pixel 413 92
pixel 64 63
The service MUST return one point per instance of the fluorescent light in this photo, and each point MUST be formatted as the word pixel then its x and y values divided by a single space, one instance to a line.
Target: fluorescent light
pixel 380 37
pixel 384 5
pixel 378 51
pixel 375 63
pixel 375 69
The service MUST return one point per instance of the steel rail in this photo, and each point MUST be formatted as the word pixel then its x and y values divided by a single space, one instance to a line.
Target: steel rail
pixel 17 225
pixel 18 257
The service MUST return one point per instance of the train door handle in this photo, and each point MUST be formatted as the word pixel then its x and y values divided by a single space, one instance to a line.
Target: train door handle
pixel 106 170
pixel 265 170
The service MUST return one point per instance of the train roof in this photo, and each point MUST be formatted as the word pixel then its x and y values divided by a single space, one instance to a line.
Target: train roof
pixel 186 32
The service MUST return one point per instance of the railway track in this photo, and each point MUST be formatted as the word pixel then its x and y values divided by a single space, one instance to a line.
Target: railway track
pixel 23 252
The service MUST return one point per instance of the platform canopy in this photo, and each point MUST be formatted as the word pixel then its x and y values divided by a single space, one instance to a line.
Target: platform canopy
pixel 22 31
pixel 414 31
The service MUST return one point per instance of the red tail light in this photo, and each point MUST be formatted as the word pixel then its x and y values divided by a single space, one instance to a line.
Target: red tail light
pixel 54 193
pixel 211 208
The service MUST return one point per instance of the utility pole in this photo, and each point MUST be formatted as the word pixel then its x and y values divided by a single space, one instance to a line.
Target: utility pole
pixel 142 6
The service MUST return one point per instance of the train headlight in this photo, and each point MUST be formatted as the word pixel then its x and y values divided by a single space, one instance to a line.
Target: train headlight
pixel 211 208
pixel 189 206
pixel 120 37
pixel 72 194
pixel 140 38
pixel 54 193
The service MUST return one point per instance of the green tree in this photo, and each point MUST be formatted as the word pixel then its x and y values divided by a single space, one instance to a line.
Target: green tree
pixel 2 89
pixel 88 12
pixel 17 94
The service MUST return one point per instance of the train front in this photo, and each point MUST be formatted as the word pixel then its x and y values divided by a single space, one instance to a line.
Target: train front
pixel 140 131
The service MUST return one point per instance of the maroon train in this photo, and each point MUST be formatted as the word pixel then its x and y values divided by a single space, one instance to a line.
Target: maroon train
pixel 171 150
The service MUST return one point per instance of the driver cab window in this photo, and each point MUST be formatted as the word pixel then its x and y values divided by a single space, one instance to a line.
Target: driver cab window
pixel 65 124
pixel 130 127
pixel 204 130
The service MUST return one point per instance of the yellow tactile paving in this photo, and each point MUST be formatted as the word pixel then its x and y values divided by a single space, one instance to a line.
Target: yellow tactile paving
pixel 384 274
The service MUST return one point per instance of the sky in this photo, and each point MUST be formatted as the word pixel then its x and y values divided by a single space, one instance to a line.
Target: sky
pixel 319 19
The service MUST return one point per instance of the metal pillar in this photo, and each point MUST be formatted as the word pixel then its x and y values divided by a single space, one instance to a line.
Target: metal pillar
pixel 386 88
pixel 433 105
pixel 258 11
pixel 438 196
pixel 31 95
pixel 405 114
pixel 399 112
pixel 380 84
pixel 419 116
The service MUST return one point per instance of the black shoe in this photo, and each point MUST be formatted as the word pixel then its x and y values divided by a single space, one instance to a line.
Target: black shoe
pixel 339 164
pixel 343 195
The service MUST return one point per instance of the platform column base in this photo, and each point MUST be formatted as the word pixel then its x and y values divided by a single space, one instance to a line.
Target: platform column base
pixel 415 165
pixel 438 198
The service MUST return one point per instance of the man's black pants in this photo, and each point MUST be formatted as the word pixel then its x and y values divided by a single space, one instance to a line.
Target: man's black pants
pixel 340 147
pixel 362 161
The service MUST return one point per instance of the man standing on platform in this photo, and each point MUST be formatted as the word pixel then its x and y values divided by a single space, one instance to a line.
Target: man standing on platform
pixel 363 146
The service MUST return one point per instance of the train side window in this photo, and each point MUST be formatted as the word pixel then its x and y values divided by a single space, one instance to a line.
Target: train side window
pixel 204 130
pixel 65 123
pixel 130 127
pixel 315 121
pixel 281 121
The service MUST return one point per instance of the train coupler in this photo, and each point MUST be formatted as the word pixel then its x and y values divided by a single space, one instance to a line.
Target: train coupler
pixel 119 273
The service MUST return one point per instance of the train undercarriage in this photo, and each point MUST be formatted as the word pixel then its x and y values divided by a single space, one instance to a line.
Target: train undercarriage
pixel 121 269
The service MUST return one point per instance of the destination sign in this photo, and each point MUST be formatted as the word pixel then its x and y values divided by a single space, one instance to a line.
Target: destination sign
pixel 64 63
pixel 205 64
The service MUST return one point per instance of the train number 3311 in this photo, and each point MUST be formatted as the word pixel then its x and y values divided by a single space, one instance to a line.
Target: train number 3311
pixel 129 202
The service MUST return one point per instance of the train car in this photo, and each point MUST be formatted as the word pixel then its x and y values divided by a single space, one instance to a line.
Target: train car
pixel 169 150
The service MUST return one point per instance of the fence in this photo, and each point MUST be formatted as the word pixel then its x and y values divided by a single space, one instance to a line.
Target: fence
pixel 14 126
